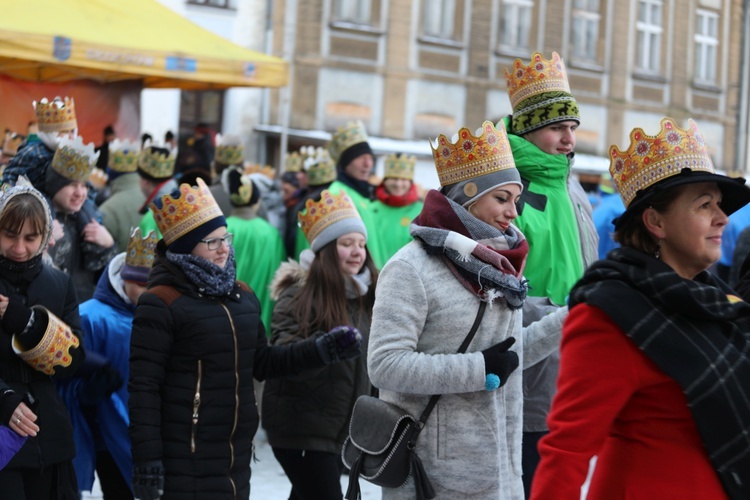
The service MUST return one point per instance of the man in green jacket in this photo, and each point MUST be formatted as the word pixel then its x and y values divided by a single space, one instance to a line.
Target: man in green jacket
pixel 554 214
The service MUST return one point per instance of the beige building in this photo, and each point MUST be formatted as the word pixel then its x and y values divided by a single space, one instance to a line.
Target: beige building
pixel 412 69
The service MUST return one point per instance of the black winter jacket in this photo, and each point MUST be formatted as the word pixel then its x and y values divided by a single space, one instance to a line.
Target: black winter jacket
pixel 192 362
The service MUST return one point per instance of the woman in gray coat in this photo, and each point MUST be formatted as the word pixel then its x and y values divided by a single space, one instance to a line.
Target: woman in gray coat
pixel 465 251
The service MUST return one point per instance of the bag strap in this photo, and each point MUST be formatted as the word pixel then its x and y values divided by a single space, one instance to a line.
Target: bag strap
pixel 464 345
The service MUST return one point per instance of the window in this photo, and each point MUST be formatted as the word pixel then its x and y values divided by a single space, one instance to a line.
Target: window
pixel 355 11
pixel 649 35
pixel 224 4
pixel 439 18
pixel 585 34
pixel 706 45
pixel 515 24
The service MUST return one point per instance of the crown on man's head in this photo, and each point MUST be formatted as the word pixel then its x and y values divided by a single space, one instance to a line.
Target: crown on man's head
pixel 538 77
pixel 157 165
pixel 123 156
pixel 141 249
pixel 74 160
pixel 293 161
pixel 56 116
pixel 345 137
pixel 193 206
pixel 330 209
pixel 320 167
pixel 229 150
pixel 650 159
pixel 472 155
pixel 400 167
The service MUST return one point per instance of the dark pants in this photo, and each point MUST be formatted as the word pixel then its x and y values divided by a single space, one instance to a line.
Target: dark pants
pixel 114 486
pixel 53 482
pixel 530 458
pixel 315 475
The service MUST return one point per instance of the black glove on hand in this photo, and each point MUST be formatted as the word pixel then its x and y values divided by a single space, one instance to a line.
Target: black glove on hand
pixel 342 342
pixel 99 385
pixel 16 317
pixel 148 480
pixel 499 363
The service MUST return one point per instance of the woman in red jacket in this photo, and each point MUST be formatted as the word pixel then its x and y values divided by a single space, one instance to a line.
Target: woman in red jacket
pixel 654 354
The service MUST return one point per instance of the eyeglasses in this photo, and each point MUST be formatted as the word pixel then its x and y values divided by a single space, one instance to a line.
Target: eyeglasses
pixel 215 243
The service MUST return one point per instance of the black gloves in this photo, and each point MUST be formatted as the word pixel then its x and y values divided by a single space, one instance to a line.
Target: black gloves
pixel 148 480
pixel 342 342
pixel 499 363
pixel 16 317
pixel 99 379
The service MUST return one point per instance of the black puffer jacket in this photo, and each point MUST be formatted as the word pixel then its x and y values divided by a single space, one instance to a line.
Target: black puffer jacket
pixel 53 289
pixel 192 363
pixel 311 411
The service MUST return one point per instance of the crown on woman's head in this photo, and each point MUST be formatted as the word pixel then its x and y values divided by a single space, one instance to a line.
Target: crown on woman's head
pixel 540 76
pixel 650 159
pixel 229 150
pixel 400 167
pixel 345 137
pixel 141 249
pixel 74 160
pixel 330 209
pixel 55 116
pixel 123 156
pixel 192 207
pixel 472 155
pixel 155 164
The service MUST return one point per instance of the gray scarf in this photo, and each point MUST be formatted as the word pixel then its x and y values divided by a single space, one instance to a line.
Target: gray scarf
pixel 210 279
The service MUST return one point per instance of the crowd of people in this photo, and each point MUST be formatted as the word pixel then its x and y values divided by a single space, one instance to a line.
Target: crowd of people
pixel 149 328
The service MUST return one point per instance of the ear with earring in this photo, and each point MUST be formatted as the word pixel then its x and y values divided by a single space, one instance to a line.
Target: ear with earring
pixel 658 249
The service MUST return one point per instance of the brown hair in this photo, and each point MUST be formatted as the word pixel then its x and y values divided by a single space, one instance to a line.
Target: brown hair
pixel 21 208
pixel 633 233
pixel 321 303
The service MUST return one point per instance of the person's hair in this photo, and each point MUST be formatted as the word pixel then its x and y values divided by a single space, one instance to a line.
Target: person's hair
pixel 146 137
pixel 633 233
pixel 109 130
pixel 21 208
pixel 321 303
pixel 168 136
pixel 192 175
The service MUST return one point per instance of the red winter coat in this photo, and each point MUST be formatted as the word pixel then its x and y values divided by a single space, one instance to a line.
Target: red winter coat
pixel 614 402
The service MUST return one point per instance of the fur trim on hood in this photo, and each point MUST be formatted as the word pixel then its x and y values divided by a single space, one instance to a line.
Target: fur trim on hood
pixel 289 273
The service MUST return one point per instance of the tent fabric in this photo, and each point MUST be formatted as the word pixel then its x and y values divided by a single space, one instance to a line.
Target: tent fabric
pixel 54 41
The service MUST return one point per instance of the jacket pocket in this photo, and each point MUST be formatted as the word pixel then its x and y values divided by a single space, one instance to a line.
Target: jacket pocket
pixel 196 406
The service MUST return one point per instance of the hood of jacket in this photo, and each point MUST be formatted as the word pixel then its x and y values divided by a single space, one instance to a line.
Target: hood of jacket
pixel 110 287
pixel 290 273
pixel 535 165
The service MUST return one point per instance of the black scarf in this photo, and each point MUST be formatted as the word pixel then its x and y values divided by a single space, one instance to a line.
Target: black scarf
pixel 364 188
pixel 698 334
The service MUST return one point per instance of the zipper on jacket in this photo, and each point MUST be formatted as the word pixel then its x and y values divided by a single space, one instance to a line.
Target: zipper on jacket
pixel 236 397
pixel 196 406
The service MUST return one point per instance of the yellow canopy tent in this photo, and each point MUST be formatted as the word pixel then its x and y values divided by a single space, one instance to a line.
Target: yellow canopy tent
pixel 56 41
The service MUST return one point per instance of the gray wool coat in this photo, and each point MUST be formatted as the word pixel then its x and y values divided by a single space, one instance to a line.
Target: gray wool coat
pixel 471 444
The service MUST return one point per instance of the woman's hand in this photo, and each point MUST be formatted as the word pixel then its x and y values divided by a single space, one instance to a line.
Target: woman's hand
pixel 22 421
pixel 93 232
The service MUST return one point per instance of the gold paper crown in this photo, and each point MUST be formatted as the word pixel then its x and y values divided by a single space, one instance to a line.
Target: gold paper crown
pixel 257 168
pixel 123 156
pixel 11 143
pixel 74 160
pixel 319 215
pixel 650 159
pixel 54 348
pixel 400 167
pixel 470 156
pixel 244 191
pixel 193 207
pixel 540 76
pixel 293 162
pixel 229 150
pixel 158 166
pixel 141 251
pixel 346 137
pixel 56 116
pixel 321 169
pixel 98 178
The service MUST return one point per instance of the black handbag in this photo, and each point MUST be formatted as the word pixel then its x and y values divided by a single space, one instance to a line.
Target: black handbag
pixel 382 439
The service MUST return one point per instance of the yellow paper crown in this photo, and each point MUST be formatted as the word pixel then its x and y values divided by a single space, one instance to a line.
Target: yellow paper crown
pixel 98 178
pixel 193 207
pixel 141 250
pixel 56 116
pixel 293 162
pixel 74 160
pixel 123 156
pixel 346 137
pixel 650 159
pixel 11 143
pixel 155 164
pixel 400 167
pixel 540 76
pixel 54 348
pixel 257 168
pixel 229 150
pixel 469 155
pixel 318 215
pixel 320 167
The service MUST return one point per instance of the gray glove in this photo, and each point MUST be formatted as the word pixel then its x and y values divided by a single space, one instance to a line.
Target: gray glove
pixel 148 480
pixel 342 342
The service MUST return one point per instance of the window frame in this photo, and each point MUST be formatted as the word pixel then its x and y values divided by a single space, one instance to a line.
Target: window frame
pixel 353 11
pixel 515 7
pixel 578 37
pixel 703 44
pixel 445 15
